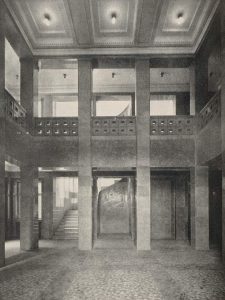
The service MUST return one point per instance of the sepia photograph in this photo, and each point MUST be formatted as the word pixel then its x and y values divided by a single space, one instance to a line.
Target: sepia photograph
pixel 112 149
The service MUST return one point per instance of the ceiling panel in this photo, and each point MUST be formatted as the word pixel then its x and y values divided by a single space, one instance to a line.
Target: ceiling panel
pixel 181 22
pixel 181 15
pixel 106 9
pixel 45 22
pixel 125 26
pixel 122 30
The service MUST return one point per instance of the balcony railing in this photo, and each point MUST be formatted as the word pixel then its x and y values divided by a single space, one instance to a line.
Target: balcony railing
pixel 113 126
pixel 209 112
pixel 172 125
pixel 15 111
pixel 56 126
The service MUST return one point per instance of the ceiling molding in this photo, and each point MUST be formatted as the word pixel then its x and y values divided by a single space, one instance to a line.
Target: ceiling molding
pixel 206 27
pixel 135 51
pixel 15 18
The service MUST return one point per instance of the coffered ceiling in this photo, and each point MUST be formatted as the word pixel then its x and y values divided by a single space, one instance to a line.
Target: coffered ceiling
pixel 79 27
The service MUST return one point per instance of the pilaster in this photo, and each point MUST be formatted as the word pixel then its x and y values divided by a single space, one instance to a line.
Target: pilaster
pixel 222 10
pixel 200 208
pixel 47 207
pixel 143 154
pixel 29 230
pixel 2 136
pixel 85 168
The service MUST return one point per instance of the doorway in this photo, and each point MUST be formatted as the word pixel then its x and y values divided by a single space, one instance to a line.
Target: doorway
pixel 162 208
pixel 114 210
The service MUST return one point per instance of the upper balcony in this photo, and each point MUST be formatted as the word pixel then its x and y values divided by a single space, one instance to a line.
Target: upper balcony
pixel 118 125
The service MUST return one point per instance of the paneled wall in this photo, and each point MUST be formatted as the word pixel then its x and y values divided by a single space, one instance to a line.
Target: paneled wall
pixel 169 208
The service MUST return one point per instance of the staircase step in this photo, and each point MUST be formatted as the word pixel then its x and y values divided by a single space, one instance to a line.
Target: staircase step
pixel 69 226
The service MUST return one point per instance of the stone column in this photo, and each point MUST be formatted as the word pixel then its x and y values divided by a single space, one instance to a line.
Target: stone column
pixel 29 207
pixel 95 208
pixel 29 87
pixel 223 121
pixel 181 209
pixel 200 208
pixel 2 137
pixel 143 154
pixel 85 169
pixel 201 81
pixel 47 207
pixel 192 88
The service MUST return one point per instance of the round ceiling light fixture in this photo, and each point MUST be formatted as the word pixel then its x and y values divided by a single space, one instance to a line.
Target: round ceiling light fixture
pixel 113 18
pixel 180 18
pixel 47 19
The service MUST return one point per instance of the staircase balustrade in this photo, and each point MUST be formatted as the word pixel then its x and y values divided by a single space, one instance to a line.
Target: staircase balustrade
pixel 14 110
pixel 209 112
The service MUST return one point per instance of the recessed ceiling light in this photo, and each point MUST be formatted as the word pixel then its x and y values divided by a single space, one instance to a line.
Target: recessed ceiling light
pixel 47 19
pixel 180 18
pixel 113 18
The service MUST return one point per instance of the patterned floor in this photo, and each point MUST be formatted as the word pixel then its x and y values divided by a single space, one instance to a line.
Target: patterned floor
pixel 59 271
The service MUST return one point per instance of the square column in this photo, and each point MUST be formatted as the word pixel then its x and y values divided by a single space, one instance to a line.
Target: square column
pixel 143 192
pixel 2 138
pixel 85 168
pixel 29 86
pixel 181 208
pixel 29 230
pixel 200 208
pixel 192 89
pixel 95 207
pixel 47 207
pixel 222 10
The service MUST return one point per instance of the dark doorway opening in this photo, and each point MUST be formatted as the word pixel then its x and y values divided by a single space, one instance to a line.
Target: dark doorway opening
pixel 114 207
